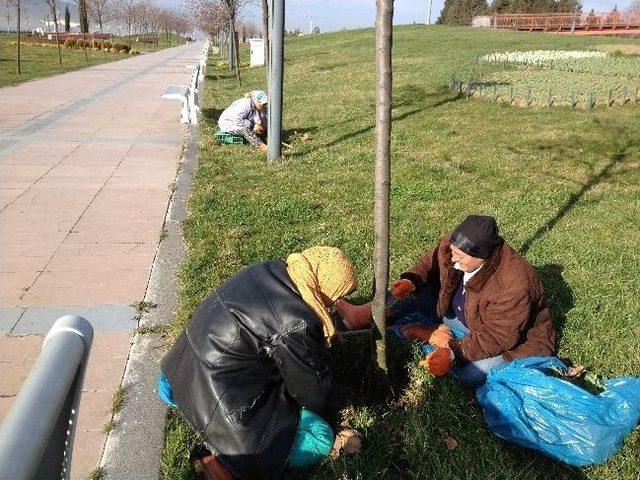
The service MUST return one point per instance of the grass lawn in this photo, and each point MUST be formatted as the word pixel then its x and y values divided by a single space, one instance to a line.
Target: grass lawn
pixel 563 184
pixel 39 61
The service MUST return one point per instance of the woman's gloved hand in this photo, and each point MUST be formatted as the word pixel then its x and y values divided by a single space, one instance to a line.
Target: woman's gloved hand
pixel 437 335
pixel 402 288
pixel 438 362
pixel 418 332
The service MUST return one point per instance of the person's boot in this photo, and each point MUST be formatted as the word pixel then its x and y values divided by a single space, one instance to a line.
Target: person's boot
pixel 355 317
pixel 213 469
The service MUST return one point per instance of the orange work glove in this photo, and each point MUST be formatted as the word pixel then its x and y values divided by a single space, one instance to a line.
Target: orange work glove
pixel 437 335
pixel 402 288
pixel 438 362
pixel 440 338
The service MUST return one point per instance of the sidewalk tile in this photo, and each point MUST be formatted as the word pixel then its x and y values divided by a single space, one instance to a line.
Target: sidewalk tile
pixel 81 288
pixel 104 318
pixel 14 285
pixel 94 410
pixel 20 348
pixel 8 319
pixel 87 448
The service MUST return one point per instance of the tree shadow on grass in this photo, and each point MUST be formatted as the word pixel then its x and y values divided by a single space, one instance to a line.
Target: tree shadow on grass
pixel 219 76
pixel 357 378
pixel 560 297
pixel 596 178
pixel 408 96
pixel 291 134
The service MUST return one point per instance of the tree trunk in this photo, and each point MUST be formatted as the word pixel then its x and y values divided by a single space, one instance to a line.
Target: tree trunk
pixel 384 40
pixel 18 43
pixel 265 35
pixel 55 22
pixel 82 11
pixel 235 49
pixel 84 46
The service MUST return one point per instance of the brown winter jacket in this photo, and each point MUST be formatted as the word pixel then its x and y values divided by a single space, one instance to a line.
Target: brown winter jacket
pixel 505 307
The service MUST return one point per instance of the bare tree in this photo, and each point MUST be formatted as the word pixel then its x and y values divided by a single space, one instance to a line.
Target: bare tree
pixel 84 24
pixel 233 8
pixel 144 16
pixel 7 10
pixel 635 6
pixel 17 5
pixel 101 12
pixel 265 35
pixel 128 10
pixel 220 17
pixel 54 12
pixel 384 41
pixel 210 16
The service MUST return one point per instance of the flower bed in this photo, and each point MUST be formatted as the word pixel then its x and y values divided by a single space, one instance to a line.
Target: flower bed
pixel 577 78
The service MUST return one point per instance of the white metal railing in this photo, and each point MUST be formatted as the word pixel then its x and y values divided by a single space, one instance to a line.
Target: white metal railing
pixel 188 94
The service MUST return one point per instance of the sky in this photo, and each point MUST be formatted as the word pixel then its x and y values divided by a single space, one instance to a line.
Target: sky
pixel 338 14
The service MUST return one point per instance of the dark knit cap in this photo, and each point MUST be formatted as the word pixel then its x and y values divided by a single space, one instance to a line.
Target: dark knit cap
pixel 477 236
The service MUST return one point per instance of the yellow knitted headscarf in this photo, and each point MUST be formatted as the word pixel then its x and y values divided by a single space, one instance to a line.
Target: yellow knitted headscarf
pixel 322 275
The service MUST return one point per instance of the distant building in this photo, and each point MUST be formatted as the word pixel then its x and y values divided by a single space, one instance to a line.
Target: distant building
pixel 482 21
pixel 49 26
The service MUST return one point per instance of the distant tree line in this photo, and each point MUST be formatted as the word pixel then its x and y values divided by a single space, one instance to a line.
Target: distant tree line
pixel 461 12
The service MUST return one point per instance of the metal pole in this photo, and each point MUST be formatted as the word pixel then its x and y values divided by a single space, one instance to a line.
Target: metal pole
pixel 429 16
pixel 36 436
pixel 276 45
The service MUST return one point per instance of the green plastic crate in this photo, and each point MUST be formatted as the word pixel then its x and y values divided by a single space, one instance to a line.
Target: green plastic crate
pixel 229 138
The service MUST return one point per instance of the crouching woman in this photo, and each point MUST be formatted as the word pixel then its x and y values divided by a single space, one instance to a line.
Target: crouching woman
pixel 247 117
pixel 250 372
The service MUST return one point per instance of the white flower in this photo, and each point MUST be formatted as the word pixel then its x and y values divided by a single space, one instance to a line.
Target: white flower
pixel 535 56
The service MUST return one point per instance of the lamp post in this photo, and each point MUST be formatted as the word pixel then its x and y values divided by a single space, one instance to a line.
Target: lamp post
pixel 276 69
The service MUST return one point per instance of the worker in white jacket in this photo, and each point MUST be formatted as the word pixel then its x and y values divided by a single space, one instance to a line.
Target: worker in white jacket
pixel 247 117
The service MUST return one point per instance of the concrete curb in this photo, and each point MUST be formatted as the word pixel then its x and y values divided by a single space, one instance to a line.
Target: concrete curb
pixel 133 448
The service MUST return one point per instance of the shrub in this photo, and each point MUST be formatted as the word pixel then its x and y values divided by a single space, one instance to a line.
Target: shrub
pixel 68 43
pixel 78 43
pixel 133 51
pixel 121 47
pixel 98 45
pixel 106 45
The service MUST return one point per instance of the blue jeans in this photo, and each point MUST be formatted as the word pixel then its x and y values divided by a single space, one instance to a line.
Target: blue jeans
pixel 473 374
pixel 421 308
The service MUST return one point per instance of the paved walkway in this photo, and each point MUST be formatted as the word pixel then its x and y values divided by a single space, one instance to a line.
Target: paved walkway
pixel 87 160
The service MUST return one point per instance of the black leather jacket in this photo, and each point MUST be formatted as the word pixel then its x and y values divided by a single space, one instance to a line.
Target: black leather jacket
pixel 251 357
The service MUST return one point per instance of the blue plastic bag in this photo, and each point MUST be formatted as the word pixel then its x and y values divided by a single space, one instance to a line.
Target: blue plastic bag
pixel 524 404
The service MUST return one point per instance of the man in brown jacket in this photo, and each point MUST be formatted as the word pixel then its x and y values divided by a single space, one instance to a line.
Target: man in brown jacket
pixel 476 284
